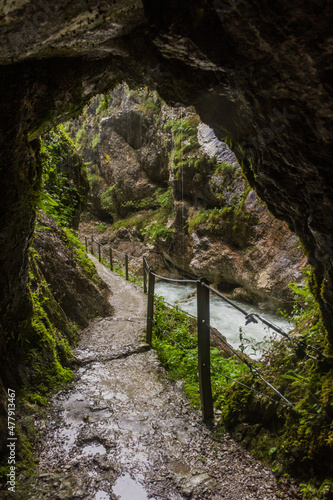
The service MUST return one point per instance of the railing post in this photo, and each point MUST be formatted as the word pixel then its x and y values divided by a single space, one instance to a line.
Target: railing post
pixel 144 275
pixel 126 265
pixel 204 351
pixel 99 252
pixel 111 260
pixel 150 306
pixel 86 243
pixel 92 245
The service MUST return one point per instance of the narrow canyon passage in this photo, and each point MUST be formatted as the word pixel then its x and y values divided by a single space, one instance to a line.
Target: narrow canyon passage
pixel 123 431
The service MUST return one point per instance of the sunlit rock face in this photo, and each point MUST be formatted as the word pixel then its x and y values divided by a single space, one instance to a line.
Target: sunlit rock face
pixel 256 73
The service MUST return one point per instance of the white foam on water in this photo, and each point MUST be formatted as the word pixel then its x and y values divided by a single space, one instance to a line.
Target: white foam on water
pixel 225 318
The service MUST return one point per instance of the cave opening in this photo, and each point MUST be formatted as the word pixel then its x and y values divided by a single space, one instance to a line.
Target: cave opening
pixel 257 75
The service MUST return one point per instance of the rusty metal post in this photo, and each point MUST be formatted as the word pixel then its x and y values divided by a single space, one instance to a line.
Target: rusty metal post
pixel 92 245
pixel 111 259
pixel 99 252
pixel 204 351
pixel 150 306
pixel 126 265
pixel 144 275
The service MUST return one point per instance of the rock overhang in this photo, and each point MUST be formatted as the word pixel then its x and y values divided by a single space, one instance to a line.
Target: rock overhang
pixel 257 74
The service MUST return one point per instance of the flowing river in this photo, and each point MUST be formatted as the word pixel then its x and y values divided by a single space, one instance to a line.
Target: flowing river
pixel 252 338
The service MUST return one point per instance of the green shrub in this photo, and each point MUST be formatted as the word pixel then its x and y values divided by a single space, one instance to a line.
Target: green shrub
pixel 104 104
pixel 112 199
pixel 57 194
pixel 157 231
pixel 80 254
pixel 210 219
pixel 183 364
pixel 101 227
pixel 128 207
pixel 225 169
pixel 80 137
pixel 95 140
pixel 164 199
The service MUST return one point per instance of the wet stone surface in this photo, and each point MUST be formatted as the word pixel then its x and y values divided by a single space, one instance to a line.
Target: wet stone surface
pixel 123 431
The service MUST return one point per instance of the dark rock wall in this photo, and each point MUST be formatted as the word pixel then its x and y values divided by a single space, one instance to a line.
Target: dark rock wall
pixel 81 297
pixel 34 96
pixel 257 72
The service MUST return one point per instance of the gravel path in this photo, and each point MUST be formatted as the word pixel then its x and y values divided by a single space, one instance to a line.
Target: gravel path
pixel 123 431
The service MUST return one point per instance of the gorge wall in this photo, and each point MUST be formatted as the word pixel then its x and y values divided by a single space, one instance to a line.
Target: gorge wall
pixel 164 176
pixel 255 72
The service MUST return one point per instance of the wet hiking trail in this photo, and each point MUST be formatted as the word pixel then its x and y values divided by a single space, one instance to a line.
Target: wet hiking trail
pixel 123 431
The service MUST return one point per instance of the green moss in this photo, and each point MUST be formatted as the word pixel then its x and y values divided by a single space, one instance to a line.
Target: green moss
pixel 95 140
pixel 186 148
pixel 47 350
pixel 151 104
pixel 57 194
pixel 112 201
pixel 80 255
pixel 80 137
pixel 236 401
pixel 42 344
pixel 26 434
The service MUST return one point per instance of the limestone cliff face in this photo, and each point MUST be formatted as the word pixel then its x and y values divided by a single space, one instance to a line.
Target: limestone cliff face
pixel 217 227
pixel 125 147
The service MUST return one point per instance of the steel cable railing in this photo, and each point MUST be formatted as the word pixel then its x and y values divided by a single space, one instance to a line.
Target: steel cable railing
pixel 254 317
pixel 204 328
pixel 285 404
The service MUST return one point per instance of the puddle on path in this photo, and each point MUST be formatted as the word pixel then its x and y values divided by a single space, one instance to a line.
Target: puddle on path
pixel 127 488
pixel 102 495
pixel 93 449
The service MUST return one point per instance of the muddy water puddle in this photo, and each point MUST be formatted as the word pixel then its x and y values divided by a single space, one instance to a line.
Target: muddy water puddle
pixel 126 488
pixel 117 428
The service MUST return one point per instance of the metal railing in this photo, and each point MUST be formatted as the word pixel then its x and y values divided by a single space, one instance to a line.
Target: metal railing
pixel 203 336
pixel 111 254
pixel 203 329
